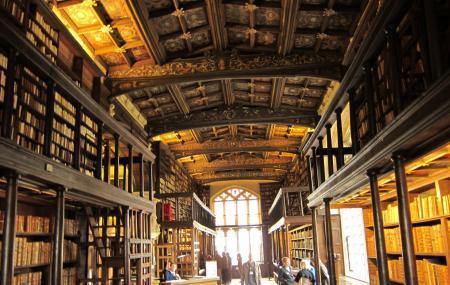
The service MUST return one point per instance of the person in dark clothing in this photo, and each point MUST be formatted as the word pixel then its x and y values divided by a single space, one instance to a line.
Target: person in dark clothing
pixel 305 276
pixel 285 276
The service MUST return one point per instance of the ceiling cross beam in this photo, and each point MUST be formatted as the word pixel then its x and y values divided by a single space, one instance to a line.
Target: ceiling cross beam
pixel 235 145
pixel 277 92
pixel 327 13
pixel 227 90
pixel 216 22
pixel 250 7
pixel 288 25
pixel 239 175
pixel 220 66
pixel 240 162
pixel 178 97
pixel 186 36
pixel 239 115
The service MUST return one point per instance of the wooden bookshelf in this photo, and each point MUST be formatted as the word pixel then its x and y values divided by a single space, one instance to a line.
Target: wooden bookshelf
pixel 300 244
pixel 268 192
pixel 183 247
pixel 430 214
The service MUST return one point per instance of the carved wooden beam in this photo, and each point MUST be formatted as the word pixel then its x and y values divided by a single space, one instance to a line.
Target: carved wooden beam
pixel 277 92
pixel 227 91
pixel 236 145
pixel 238 162
pixel 289 14
pixel 139 9
pixel 178 97
pixel 239 175
pixel 223 116
pixel 216 21
pixel 224 66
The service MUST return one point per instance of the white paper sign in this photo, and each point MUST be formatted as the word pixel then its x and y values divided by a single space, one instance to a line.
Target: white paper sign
pixel 211 268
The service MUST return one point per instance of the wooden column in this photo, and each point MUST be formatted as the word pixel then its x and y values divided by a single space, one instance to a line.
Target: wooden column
pixel 314 166
pixel 383 272
pixel 394 68
pixel 6 124
pixel 126 221
pixel 353 127
pixel 99 158
pixel 409 259
pixel 141 175
pixel 97 89
pixel 130 169
pixel 58 239
pixel 156 147
pixel 340 139
pixel 329 235
pixel 432 31
pixel 320 162
pixel 107 163
pixel 369 95
pixel 116 159
pixel 77 138
pixel 308 168
pixel 9 229
pixel 49 117
pixel 150 180
pixel 125 177
pixel 316 245
pixel 330 163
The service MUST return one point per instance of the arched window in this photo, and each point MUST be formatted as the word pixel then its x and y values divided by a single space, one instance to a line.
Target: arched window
pixel 238 221
pixel 237 207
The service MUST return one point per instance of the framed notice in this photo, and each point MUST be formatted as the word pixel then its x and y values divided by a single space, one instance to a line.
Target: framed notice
pixel 211 268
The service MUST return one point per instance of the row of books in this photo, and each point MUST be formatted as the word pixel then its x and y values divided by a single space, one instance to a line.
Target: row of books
pixel 303 233
pixel 427 239
pixel 70 276
pixel 395 267
pixel 91 124
pixel 30 143
pixel 423 206
pixel 301 253
pixel 3 67
pixel 14 8
pixel 430 271
pixel 32 224
pixel 64 107
pixel 306 243
pixel 71 226
pixel 70 250
pixel 42 38
pixel 392 240
pixel 63 113
pixel 63 134
pixel 31 278
pixel 29 252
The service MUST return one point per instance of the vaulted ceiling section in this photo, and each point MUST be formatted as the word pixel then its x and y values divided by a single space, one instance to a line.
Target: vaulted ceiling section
pixel 231 86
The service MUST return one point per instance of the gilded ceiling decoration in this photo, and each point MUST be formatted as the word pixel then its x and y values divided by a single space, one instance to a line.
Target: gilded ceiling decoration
pixel 224 83
pixel 107 28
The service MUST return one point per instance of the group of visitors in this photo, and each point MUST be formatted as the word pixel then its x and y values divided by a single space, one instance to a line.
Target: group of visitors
pixel 305 276
pixel 249 272
pixel 169 272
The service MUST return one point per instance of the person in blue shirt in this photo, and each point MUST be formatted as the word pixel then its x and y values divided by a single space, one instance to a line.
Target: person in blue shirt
pixel 167 275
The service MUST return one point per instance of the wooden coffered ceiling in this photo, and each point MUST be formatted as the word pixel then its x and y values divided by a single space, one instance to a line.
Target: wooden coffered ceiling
pixel 232 86
pixel 260 151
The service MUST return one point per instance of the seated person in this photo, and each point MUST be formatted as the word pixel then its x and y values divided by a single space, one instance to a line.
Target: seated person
pixel 305 276
pixel 173 272
pixel 166 273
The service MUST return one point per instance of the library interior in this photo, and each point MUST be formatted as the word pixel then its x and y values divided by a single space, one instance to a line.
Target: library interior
pixel 209 142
